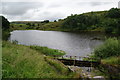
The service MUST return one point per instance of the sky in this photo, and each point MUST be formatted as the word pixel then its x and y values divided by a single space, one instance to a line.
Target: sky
pixel 39 10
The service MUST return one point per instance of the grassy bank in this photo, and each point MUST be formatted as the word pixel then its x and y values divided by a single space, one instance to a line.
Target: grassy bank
pixel 109 53
pixel 114 61
pixel 48 51
pixel 23 62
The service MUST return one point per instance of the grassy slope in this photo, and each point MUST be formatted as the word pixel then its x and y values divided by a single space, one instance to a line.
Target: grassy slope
pixel 115 61
pixel 56 26
pixel 22 62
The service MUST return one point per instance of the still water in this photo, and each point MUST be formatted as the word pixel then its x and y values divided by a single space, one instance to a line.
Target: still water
pixel 74 44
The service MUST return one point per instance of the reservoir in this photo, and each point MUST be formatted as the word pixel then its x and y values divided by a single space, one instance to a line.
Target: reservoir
pixel 74 44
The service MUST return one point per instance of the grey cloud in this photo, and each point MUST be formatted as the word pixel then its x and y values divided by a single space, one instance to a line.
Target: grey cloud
pixel 50 9
pixel 95 3
pixel 0 8
pixel 51 16
pixel 99 3
pixel 54 5
pixel 19 8
pixel 46 15
pixel 82 3
pixel 119 4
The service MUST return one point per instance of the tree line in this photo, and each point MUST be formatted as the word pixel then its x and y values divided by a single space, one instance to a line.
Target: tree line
pixel 109 21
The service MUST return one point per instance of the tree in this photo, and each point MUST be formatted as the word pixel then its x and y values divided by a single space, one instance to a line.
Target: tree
pixel 81 22
pixel 38 24
pixel 20 25
pixel 5 28
pixel 118 27
pixel 59 19
pixel 33 24
pixel 45 21
pixel 5 23
pixel 110 25
pixel 113 13
pixel 55 21
pixel 28 24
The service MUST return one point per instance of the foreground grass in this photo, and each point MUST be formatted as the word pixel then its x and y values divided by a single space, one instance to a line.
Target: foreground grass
pixel 23 62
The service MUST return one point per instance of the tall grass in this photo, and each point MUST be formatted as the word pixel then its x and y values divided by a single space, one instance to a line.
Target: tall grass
pixel 110 48
pixel 23 62
pixel 112 61
pixel 61 68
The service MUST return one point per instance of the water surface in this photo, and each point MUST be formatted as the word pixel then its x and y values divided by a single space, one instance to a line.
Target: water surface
pixel 74 44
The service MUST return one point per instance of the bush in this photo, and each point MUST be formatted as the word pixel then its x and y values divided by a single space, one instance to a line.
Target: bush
pixel 110 48
pixel 109 30
pixel 5 35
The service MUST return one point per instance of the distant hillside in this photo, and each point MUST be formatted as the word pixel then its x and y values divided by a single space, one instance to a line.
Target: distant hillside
pixel 20 22
pixel 105 21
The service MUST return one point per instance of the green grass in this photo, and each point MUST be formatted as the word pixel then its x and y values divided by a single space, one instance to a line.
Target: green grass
pixel 23 62
pixel 48 51
pixel 56 26
pixel 115 61
pixel 61 68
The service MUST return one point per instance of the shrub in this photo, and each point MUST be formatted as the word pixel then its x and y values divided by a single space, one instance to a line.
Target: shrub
pixel 111 47
pixel 5 35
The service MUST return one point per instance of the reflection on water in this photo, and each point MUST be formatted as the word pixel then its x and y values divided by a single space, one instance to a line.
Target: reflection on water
pixel 74 44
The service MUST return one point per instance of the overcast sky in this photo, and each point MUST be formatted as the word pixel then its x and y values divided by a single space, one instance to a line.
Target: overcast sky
pixel 37 10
